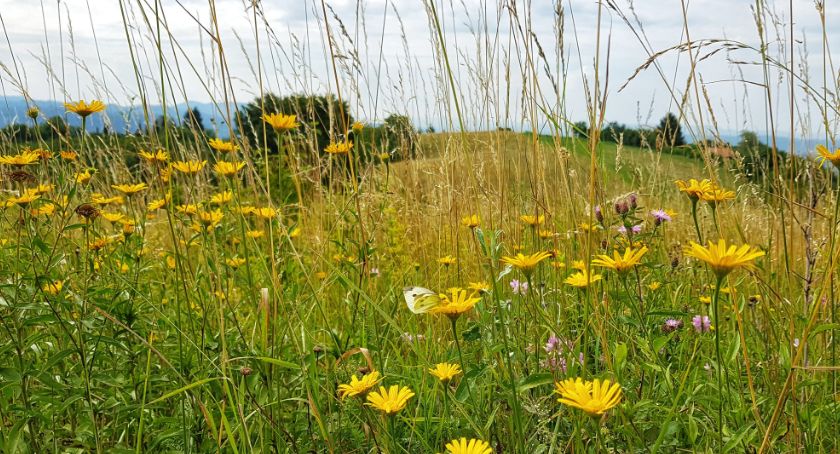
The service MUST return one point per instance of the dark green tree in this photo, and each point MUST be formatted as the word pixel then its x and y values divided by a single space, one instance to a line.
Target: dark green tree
pixel 401 136
pixel 670 131
pixel 320 118
pixel 193 119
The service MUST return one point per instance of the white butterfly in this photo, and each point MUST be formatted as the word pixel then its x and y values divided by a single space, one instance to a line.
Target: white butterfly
pixel 420 300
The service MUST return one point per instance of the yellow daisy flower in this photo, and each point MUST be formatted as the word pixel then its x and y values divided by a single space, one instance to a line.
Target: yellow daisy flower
pixel 390 401
pixel 84 109
pixel 723 259
pixel 594 397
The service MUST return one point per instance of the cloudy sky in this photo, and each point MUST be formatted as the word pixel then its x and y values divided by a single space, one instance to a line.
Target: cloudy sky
pixel 389 62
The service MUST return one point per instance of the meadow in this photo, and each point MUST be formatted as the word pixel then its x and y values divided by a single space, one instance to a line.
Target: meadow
pixel 327 281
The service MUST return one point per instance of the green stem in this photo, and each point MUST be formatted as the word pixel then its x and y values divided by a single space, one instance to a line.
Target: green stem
pixel 720 365
pixel 694 216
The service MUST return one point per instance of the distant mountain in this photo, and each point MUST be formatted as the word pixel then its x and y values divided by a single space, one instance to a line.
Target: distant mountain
pixel 121 119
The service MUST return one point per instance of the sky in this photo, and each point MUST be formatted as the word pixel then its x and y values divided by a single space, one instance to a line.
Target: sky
pixel 388 60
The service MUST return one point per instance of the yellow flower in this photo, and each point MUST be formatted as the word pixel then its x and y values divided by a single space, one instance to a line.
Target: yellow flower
pixel 222 146
pixel 264 212
pixel 706 299
pixel 531 220
pixel 481 287
pixel 98 244
pixel 245 209
pixel 447 260
pixel 294 233
pixel 43 154
pixel 358 387
pixel 235 262
pixel 390 401
pixel 52 288
pixel 582 279
pixel 155 157
pixel 653 286
pixel 339 147
pixel 46 210
pixel 165 173
pixel 578 265
pixel 445 371
pixel 321 275
pixel 281 122
pixel 717 195
pixel 221 198
pixel 189 167
pixel 526 263
pixel 26 157
pixel 471 221
pixel 23 200
pixel 129 189
pixel 471 446
pixel 694 189
pixel 41 189
pixel 228 169
pixel 456 303
pixel 188 209
pixel 112 217
pixel 84 177
pixel 170 262
pixel 84 109
pixel 357 126
pixel 723 259
pixel 128 227
pixel 825 155
pixel 68 155
pixel 33 112
pixel 546 234
pixel 157 204
pixel 210 218
pixel 254 234
pixel 621 263
pixel 100 199
pixel 594 397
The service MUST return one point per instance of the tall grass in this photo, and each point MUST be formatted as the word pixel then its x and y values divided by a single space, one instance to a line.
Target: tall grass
pixel 176 331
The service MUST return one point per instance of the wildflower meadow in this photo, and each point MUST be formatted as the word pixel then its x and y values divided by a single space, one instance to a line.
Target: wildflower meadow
pixel 378 226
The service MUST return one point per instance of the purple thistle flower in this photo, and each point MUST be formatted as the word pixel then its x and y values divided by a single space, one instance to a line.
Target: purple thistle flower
pixel 672 325
pixel 660 216
pixel 599 216
pixel 702 323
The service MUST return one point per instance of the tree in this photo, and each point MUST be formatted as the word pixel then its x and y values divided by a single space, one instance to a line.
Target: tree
pixel 670 131
pixel 193 119
pixel 400 135
pixel 317 115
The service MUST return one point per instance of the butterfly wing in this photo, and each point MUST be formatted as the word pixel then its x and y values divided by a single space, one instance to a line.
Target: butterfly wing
pixel 420 300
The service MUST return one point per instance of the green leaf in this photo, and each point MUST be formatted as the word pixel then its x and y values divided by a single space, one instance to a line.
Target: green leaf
pixel 183 389
pixel 534 380
pixel 620 356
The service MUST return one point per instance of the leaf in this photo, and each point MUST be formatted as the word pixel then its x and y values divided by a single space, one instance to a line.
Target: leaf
pixel 473 333
pixel 276 362
pixel 182 389
pixel 534 380
pixel 504 272
pixel 620 356
pixel 825 327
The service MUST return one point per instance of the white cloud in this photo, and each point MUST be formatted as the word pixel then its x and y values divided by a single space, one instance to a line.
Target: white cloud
pixel 294 55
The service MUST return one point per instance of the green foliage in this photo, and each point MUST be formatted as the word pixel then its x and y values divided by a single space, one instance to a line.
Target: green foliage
pixel 321 118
